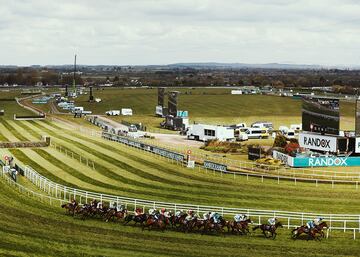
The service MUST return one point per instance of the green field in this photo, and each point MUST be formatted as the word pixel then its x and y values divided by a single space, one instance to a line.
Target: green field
pixel 29 227
pixel 214 106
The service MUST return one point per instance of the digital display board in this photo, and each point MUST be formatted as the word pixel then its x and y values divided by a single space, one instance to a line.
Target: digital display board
pixel 172 103
pixel 357 118
pixel 161 96
pixel 321 115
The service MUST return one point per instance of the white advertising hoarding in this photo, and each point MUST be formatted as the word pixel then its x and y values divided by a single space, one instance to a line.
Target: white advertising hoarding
pixel 284 158
pixel 357 145
pixel 159 110
pixel 318 142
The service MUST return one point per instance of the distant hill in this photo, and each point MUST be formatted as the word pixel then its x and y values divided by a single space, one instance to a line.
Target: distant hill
pixel 247 65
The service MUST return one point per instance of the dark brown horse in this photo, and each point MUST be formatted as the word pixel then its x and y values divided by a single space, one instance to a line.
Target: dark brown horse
pixel 161 222
pixel 141 218
pixel 318 229
pixel 112 214
pixel 178 221
pixel 241 227
pixel 210 226
pixel 269 228
pixel 70 208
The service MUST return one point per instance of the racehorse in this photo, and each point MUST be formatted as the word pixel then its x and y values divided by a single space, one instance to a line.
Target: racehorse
pixel 318 229
pixel 177 221
pixel 218 227
pixel 240 227
pixel 269 228
pixel 141 218
pixel 159 222
pixel 70 208
pixel 112 214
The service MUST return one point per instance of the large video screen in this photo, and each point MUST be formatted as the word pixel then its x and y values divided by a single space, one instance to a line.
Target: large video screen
pixel 161 96
pixel 172 103
pixel 357 118
pixel 321 115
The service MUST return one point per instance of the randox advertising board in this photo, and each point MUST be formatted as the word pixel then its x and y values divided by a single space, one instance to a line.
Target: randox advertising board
pixel 284 158
pixel 302 162
pixel 215 166
pixel 318 142
pixel 327 162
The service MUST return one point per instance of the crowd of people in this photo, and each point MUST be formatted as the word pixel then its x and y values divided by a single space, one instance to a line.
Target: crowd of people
pixel 189 220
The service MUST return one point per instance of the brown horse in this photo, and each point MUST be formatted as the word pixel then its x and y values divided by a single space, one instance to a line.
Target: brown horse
pixel 318 229
pixel 210 226
pixel 70 208
pixel 177 221
pixel 269 228
pixel 160 223
pixel 112 214
pixel 240 227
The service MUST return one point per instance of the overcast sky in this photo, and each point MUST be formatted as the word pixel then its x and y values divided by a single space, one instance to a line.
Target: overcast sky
pixel 170 31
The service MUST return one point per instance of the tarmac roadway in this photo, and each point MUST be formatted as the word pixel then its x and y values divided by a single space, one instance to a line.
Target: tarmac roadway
pixel 168 139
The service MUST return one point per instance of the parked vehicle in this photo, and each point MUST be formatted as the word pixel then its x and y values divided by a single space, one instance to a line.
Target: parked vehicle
pixel 262 124
pixel 203 132
pixel 259 133
pixel 113 113
pixel 240 134
pixel 126 112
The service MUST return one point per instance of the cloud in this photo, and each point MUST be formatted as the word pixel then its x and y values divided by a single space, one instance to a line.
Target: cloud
pixel 168 31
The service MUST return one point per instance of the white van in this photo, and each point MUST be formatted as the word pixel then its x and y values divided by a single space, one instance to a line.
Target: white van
pixel 257 133
pixel 113 113
pixel 240 134
pixel 262 124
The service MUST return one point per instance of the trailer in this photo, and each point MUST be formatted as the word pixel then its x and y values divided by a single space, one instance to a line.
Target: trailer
pixel 113 113
pixel 203 132
pixel 126 112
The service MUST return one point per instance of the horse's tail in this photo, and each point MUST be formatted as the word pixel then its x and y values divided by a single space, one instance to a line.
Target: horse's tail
pixel 255 228
pixel 63 205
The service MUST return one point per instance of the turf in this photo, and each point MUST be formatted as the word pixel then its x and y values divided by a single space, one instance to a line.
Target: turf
pixel 29 227
pixel 214 106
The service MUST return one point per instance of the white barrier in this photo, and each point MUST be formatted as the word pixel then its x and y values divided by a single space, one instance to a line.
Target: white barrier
pixel 343 222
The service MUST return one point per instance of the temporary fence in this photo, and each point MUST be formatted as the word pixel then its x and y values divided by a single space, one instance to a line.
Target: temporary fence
pixel 343 222
pixel 82 159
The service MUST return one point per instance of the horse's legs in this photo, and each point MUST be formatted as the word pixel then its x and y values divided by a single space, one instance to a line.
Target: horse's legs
pixel 264 232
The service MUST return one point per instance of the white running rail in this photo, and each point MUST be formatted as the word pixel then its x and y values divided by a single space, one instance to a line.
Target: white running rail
pixel 344 222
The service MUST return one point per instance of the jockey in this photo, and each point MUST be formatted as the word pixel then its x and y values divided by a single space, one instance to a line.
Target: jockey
pixel 240 217
pixel 138 211
pixel 73 203
pixel 162 211
pixel 272 221
pixel 216 218
pixel 212 214
pixel 317 221
pixel 168 214
pixel 99 205
pixel 120 208
pixel 153 212
pixel 179 213
pixel 190 215
pixel 94 203
pixel 206 215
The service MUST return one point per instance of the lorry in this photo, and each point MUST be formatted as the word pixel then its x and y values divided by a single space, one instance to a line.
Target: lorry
pixel 113 113
pixel 126 112
pixel 203 132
